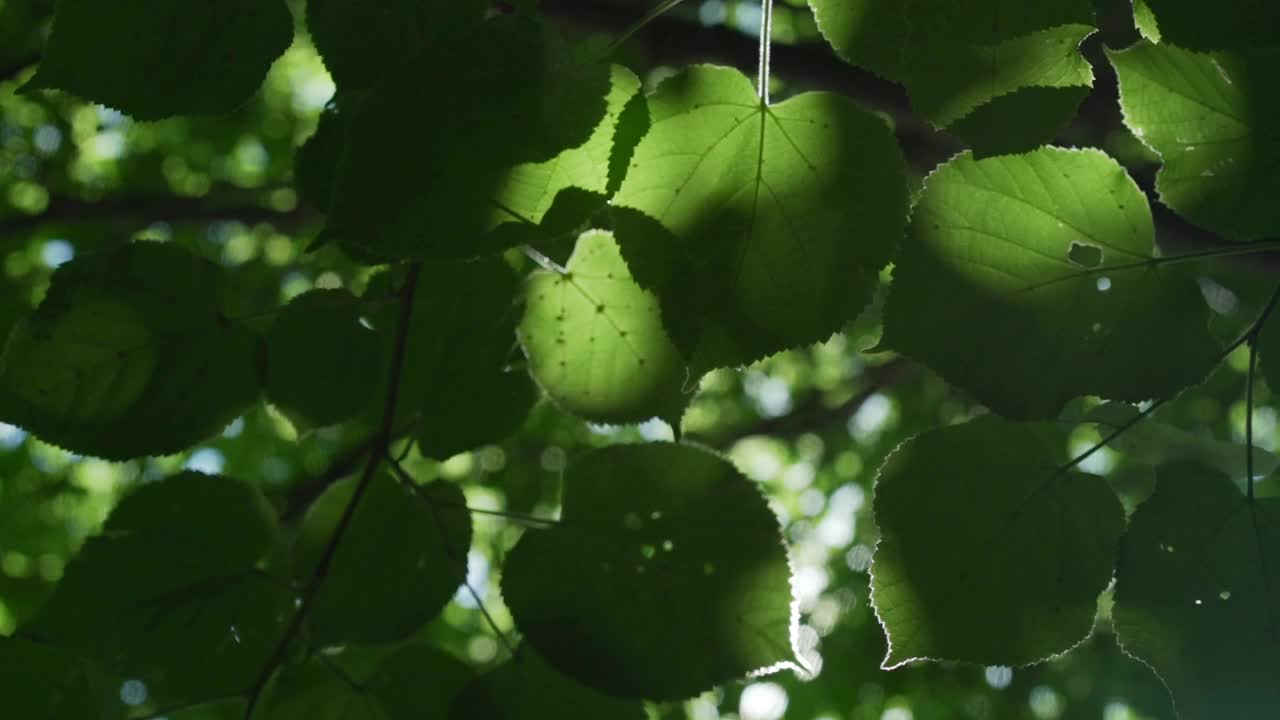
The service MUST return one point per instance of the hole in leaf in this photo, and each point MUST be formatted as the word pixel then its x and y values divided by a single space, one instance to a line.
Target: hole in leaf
pixel 648 551
pixel 1225 594
pixel 1086 256
pixel 1104 284
pixel 668 546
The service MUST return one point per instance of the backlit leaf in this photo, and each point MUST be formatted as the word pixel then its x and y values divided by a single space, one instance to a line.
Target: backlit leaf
pixel 759 228
pixel 1044 262
pixel 1212 120
pixel 989 553
pixel 595 339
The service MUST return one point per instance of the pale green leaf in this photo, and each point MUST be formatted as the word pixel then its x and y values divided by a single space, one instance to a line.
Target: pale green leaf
pixel 689 580
pixel 595 339
pixel 155 58
pixel 1044 261
pixel 759 228
pixel 1194 595
pixel 989 553
pixel 1212 120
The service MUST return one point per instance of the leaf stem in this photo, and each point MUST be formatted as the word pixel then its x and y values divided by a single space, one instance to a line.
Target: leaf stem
pixel 766 49
pixel 1252 339
pixel 379 449
pixel 658 11
pixel 1106 440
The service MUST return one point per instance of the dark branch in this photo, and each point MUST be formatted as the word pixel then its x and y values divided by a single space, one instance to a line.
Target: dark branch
pixel 379 449
pixel 140 212
pixel 814 415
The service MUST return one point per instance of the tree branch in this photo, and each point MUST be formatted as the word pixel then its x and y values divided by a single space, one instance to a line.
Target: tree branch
pixel 144 210
pixel 380 448
pixel 813 415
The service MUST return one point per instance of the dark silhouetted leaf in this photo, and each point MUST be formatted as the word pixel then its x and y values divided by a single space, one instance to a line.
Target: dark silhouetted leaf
pixel 130 354
pixel 43 683
pixel 525 688
pixel 171 592
pixel 459 391
pixel 424 172
pixel 1194 595
pixel 956 59
pixel 155 58
pixel 1225 24
pixel 988 552
pixel 644 590
pixel 323 365
pixel 420 539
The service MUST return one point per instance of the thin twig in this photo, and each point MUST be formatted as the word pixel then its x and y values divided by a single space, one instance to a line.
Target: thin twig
pixel 380 446
pixel 657 12
pixel 461 564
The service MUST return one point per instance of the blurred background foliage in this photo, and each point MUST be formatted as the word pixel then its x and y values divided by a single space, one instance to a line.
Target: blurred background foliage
pixel 811 426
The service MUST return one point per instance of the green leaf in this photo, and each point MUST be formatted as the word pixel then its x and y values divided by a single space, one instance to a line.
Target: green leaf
pixel 690 582
pixel 1193 25
pixel 526 193
pixel 1047 258
pixel 1212 120
pixel 988 552
pixel 171 591
pixel 360 44
pixel 1152 442
pixel 130 354
pixel 424 170
pixel 315 161
pixel 316 691
pixel 760 228
pixel 414 682
pixel 323 365
pixel 420 537
pixel 460 391
pixel 43 683
pixel 1195 597
pixel 1269 353
pixel 525 688
pixel 956 58
pixel 419 682
pixel 156 58
pixel 595 339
